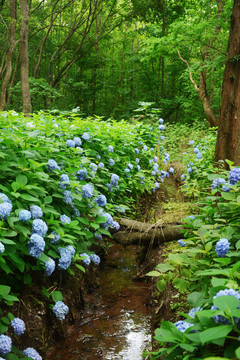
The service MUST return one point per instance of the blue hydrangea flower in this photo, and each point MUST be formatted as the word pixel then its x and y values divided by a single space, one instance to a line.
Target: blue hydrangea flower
pixel 127 170
pixel 116 225
pixel 157 185
pixel 183 325
pixel 109 186
pixel 68 198
pixel 109 221
pixel 64 181
pixel 162 137
pixel 163 173
pixel 55 237
pixel 86 259
pixel 155 159
pixel 161 121
pixel 145 148
pixel 98 157
pixel 40 227
pixel 120 209
pixel 110 148
pixel 32 353
pixel 87 191
pixel 182 243
pixel 86 136
pixel 2 247
pixel 171 170
pixel 5 344
pixel 52 165
pixel 226 187
pixel 82 174
pixel 190 217
pixel 36 245
pixel 199 155
pixel 60 310
pixel 161 127
pixel 18 326
pixel 79 149
pixel 93 167
pixel 111 162
pixel 234 175
pixel 49 266
pixel 140 142
pixel 101 200
pixel 183 177
pixel 101 165
pixel 5 210
pixel 189 170
pixel 36 212
pixel 66 255
pixel 77 141
pixel 222 319
pixel 167 156
pixel 114 179
pixel 130 166
pixel 70 143
pixel 155 167
pixel 98 236
pixel 76 212
pixel 24 215
pixel 95 259
pixel 222 247
pixel 137 160
pixel 138 167
pixel 153 173
pixel 151 149
pixel 218 182
pixel 4 198
pixel 136 151
pixel 196 150
pixel 65 219
pixel 191 142
pixel 193 311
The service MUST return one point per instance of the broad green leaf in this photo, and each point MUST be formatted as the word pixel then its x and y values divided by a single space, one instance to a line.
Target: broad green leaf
pixel 57 296
pixel 181 284
pixel 161 285
pixel 154 273
pixel 226 303
pixel 22 179
pixel 29 197
pixel 4 289
pixel 164 267
pixel 196 299
pixel 214 333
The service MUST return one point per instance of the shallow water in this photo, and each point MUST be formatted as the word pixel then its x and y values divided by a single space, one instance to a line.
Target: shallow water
pixel 116 321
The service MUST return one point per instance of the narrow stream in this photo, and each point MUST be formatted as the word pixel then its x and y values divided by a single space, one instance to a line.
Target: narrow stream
pixel 116 324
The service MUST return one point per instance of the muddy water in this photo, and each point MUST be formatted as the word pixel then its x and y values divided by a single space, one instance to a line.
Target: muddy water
pixel 116 322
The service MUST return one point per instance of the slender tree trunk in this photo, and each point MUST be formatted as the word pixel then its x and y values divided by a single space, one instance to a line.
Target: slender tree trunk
pixel 9 97
pixel 228 138
pixel 6 79
pixel 24 60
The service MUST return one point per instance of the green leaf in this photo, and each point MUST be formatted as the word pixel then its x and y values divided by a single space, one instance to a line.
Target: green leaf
pixel 10 298
pixel 29 197
pixel 237 352
pixel 161 285
pixel 228 196
pixel 226 303
pixel 195 299
pixel 215 333
pixel 80 267
pixel 3 328
pixel 45 292
pixel 48 200
pixel 153 273
pixel 57 296
pixel 22 179
pixel 181 284
pixel 164 267
pixel 4 289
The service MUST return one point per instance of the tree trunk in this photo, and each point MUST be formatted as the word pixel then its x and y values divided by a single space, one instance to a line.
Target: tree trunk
pixel 13 15
pixel 228 137
pixel 24 60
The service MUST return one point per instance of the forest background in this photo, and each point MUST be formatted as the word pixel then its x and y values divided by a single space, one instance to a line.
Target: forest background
pixel 105 57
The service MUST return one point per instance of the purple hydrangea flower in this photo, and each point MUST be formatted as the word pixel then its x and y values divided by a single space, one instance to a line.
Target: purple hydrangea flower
pixel 49 266
pixel 24 215
pixel 60 310
pixel 39 227
pixel 222 247
pixel 234 176
pixel 36 212
pixel 87 191
pixel 18 326
pixel 32 353
pixel 36 245
pixel 5 344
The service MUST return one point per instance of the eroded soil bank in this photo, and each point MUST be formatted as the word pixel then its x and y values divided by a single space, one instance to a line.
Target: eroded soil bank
pixel 116 322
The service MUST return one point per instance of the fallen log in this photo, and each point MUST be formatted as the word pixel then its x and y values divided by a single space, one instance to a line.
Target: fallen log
pixel 153 237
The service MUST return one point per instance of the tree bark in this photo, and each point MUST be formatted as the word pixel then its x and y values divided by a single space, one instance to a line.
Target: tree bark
pixel 24 59
pixel 6 79
pixel 228 137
